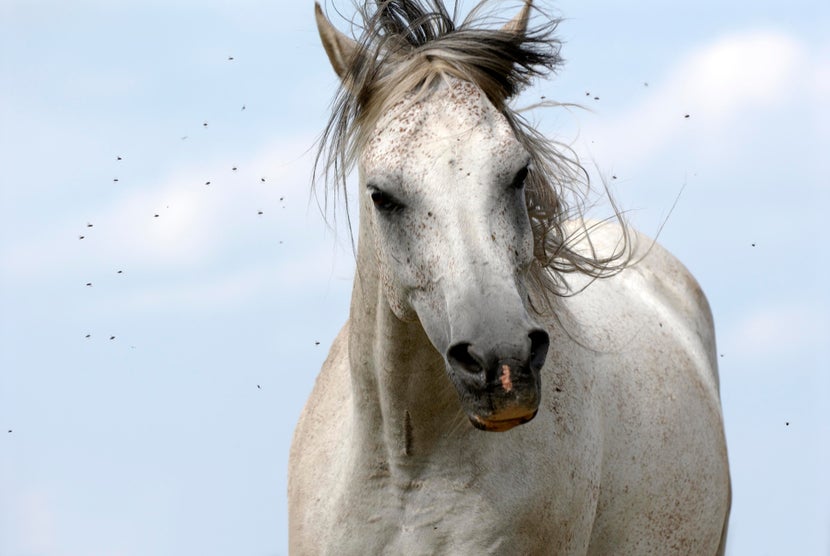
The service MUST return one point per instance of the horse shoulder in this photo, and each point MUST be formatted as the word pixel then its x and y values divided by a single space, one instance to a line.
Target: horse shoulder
pixel 675 287
pixel 316 448
pixel 647 338
pixel 673 305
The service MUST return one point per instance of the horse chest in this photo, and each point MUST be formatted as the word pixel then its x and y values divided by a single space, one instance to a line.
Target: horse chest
pixel 486 510
pixel 420 519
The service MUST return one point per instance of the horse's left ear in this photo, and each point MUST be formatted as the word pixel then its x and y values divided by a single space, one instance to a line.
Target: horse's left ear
pixel 340 48
pixel 518 25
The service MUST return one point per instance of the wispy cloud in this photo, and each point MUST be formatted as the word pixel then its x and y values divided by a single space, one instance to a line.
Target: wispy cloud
pixel 187 218
pixel 710 87
pixel 253 233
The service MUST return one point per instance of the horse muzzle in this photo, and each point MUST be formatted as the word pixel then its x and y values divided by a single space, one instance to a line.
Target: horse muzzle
pixel 500 385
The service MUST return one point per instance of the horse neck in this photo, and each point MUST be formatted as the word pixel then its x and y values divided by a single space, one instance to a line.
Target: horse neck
pixel 404 403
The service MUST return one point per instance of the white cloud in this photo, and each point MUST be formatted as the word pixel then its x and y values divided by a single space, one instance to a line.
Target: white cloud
pixel 180 234
pixel 179 221
pixel 196 220
pixel 740 72
pixel 189 253
pixel 714 85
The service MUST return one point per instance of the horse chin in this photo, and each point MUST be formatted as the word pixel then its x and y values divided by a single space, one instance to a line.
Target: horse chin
pixel 500 425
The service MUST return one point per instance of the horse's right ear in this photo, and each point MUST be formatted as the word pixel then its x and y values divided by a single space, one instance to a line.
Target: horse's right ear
pixel 340 48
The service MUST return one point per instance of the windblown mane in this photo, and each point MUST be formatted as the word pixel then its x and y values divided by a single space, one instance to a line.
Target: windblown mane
pixel 406 47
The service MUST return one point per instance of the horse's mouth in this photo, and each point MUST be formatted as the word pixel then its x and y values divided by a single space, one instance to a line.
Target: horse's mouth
pixel 500 425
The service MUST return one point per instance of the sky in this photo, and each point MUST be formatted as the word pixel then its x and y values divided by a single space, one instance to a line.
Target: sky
pixel 169 287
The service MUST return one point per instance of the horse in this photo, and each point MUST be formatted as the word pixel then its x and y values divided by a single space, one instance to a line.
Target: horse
pixel 513 378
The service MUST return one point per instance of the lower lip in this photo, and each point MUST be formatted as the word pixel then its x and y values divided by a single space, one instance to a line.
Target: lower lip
pixel 500 426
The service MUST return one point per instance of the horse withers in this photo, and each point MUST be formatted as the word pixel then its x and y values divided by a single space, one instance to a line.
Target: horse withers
pixel 511 379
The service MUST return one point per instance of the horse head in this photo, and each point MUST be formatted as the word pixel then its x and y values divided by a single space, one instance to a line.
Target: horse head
pixel 444 199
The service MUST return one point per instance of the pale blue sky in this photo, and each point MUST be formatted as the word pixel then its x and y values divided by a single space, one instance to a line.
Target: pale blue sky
pixel 172 438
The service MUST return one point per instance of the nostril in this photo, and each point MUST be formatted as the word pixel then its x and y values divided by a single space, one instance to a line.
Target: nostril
pixel 539 343
pixel 460 355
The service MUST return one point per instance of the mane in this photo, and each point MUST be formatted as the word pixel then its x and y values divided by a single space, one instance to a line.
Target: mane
pixel 406 48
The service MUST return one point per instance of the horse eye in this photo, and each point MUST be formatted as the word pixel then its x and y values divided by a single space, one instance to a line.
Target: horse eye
pixel 519 179
pixel 385 202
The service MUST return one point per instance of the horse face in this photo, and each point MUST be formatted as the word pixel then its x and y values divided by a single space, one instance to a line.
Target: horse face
pixel 442 183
